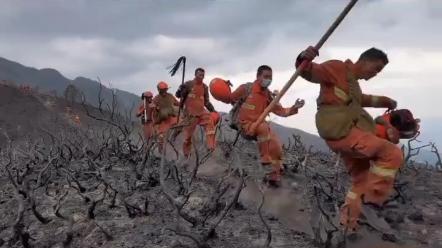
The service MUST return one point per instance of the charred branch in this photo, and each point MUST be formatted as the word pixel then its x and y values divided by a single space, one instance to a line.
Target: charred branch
pixel 90 211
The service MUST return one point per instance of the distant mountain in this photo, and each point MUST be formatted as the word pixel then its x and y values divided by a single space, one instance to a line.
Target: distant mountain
pixel 50 80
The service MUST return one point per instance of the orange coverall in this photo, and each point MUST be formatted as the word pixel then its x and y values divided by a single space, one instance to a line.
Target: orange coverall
pixel 373 181
pixel 197 98
pixel 147 127
pixel 269 146
pixel 160 128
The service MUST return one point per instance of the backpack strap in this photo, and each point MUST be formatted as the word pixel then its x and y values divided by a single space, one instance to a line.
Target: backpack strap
pixel 237 105
pixel 246 94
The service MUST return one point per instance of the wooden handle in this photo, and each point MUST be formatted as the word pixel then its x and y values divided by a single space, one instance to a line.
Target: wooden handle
pixel 304 63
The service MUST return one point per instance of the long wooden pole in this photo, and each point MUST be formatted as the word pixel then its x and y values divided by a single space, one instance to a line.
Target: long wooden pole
pixel 304 63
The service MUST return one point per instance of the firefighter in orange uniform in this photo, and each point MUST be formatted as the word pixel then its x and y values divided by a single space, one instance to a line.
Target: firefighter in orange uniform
pixel 249 101
pixel 351 132
pixel 164 107
pixel 145 114
pixel 195 95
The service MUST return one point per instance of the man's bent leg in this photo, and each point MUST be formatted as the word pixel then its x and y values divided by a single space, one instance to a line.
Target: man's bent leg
pixel 386 159
pixel 263 137
pixel 206 121
pixel 179 130
pixel 275 153
pixel 351 209
pixel 382 173
pixel 162 128
pixel 188 134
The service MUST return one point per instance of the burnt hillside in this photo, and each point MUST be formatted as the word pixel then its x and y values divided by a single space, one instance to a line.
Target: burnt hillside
pixel 32 114
pixel 90 186
pixel 50 80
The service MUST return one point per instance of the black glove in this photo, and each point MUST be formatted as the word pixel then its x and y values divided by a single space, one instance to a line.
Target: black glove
pixel 143 119
pixel 210 107
pixel 179 92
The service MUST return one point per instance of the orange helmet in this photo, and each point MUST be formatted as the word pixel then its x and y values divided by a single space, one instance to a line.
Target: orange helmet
pixel 215 117
pixel 220 89
pixel 148 94
pixel 162 86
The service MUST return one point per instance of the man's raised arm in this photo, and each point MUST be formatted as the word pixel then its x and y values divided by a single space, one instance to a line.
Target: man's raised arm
pixel 313 72
pixel 237 94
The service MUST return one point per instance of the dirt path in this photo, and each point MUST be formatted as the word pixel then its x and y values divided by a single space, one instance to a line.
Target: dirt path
pixel 287 205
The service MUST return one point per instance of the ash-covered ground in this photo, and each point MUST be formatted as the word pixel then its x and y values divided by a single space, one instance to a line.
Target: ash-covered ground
pixel 96 185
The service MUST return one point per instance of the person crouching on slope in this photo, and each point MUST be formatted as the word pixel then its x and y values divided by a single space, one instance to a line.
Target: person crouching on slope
pixel 195 95
pixel 164 113
pixel 350 131
pixel 254 98
pixel 145 114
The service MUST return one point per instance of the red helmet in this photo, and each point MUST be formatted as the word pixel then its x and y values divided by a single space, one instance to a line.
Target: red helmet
pixel 220 89
pixel 162 86
pixel 148 94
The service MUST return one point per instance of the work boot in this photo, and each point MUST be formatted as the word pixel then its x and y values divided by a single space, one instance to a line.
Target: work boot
pixel 353 236
pixel 272 180
pixel 369 213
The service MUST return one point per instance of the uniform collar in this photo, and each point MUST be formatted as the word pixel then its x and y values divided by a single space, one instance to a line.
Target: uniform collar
pixel 352 66
pixel 196 81
pixel 257 87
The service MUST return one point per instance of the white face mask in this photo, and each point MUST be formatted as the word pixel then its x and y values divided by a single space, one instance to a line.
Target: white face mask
pixel 265 83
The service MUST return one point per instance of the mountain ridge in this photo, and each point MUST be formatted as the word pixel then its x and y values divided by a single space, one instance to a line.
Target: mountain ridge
pixel 51 80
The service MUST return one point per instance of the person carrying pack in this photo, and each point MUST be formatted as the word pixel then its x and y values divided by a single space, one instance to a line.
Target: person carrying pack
pixel 163 107
pixel 197 110
pixel 145 114
pixel 249 101
pixel 349 130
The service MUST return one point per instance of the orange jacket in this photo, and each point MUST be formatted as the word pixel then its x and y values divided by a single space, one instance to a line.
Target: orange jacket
pixel 386 131
pixel 332 77
pixel 197 98
pixel 258 100
pixel 158 98
pixel 140 112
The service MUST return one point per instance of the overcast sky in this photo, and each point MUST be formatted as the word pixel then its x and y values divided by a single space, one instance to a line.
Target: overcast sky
pixel 130 43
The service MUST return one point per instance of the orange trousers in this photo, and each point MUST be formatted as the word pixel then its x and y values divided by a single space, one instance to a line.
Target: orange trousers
pixel 161 128
pixel 204 120
pixel 372 163
pixel 177 131
pixel 147 130
pixel 269 149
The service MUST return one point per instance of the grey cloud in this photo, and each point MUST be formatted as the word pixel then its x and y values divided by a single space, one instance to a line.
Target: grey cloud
pixel 245 32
